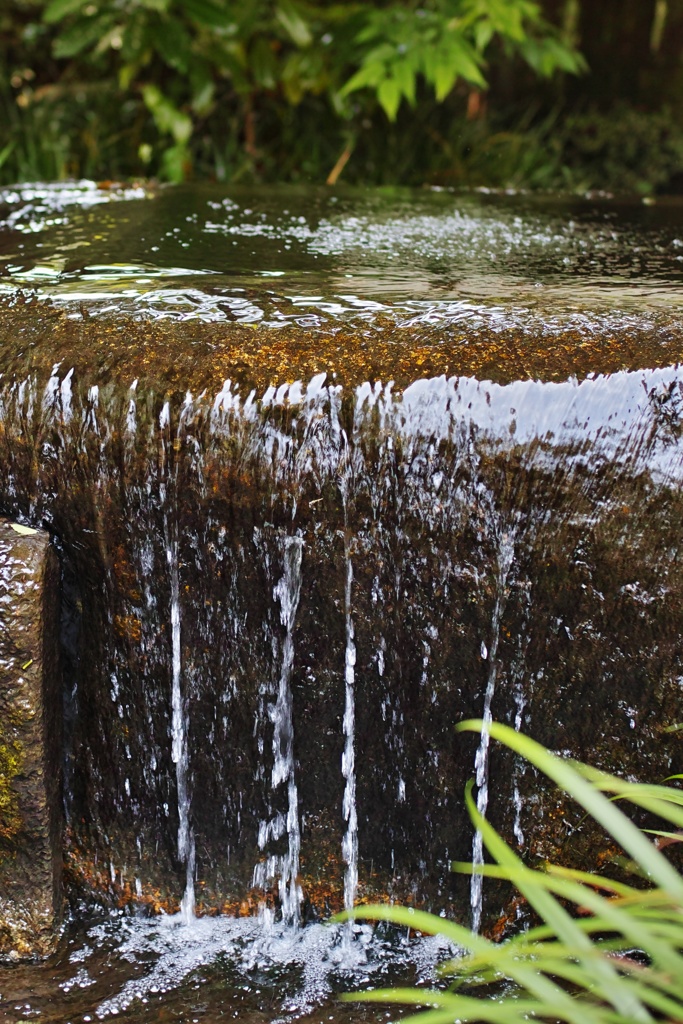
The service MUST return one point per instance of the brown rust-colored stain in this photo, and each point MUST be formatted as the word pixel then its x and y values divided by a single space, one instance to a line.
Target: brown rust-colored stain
pixel 322 888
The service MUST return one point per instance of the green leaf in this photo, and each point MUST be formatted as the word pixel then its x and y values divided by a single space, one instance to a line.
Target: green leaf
pixel 79 37
pixel 174 162
pixel 293 23
pixel 443 77
pixel 371 74
pixel 389 96
pixel 603 973
pixel 58 9
pixel 206 12
pixel 609 915
pixel 172 43
pixel 524 974
pixel 6 151
pixel 203 93
pixel 263 63
pixel 136 36
pixel 451 1007
pixel 405 73
pixel 548 55
pixel 167 117
pixel 600 807
pixel 573 969
pixel 483 34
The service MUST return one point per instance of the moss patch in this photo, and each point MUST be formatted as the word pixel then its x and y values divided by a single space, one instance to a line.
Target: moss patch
pixel 11 759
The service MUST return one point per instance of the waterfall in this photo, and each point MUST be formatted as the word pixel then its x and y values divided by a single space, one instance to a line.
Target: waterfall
pixel 516 794
pixel 350 841
pixel 405 525
pixel 179 751
pixel 506 550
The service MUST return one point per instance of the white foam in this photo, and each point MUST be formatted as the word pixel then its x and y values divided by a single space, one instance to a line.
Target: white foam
pixel 320 952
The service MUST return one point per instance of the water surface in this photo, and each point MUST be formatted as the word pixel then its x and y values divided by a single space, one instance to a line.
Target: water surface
pixel 317 257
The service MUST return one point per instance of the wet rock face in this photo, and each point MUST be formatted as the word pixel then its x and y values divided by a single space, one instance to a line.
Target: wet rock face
pixel 460 547
pixel 30 743
pixel 457 495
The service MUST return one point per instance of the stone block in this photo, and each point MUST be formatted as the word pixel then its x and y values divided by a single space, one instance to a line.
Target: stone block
pixel 30 743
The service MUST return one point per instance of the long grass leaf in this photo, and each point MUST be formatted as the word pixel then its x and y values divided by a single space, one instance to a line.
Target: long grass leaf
pixel 419 920
pixel 465 1007
pixel 524 974
pixel 596 881
pixel 659 1001
pixel 603 810
pixel 609 914
pixel 602 972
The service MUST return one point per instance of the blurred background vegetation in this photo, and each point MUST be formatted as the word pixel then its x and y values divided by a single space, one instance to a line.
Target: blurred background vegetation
pixel 577 94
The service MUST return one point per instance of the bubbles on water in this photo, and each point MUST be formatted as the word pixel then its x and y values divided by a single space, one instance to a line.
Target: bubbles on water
pixel 317 960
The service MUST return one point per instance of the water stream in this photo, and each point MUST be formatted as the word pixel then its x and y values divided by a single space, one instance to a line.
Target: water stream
pixel 506 554
pixel 179 716
pixel 350 841
pixel 285 867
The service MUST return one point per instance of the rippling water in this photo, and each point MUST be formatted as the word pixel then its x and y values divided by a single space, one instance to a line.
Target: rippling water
pixel 319 257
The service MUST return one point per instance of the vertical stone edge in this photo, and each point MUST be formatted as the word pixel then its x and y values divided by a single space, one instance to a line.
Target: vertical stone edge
pixel 31 729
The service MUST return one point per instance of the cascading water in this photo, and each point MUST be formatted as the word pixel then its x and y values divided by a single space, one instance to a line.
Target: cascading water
pixel 234 495
pixel 350 841
pixel 286 867
pixel 179 716
pixel 303 571
pixel 506 552
pixel 179 753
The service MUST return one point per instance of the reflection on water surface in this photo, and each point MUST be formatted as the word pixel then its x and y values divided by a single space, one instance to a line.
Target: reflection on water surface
pixel 320 257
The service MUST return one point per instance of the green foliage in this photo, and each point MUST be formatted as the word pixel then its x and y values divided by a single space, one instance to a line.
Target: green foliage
pixel 449 41
pixel 625 151
pixel 607 952
pixel 174 73
pixel 448 92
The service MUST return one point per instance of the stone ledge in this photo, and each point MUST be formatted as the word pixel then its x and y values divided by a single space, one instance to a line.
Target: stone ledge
pixel 30 743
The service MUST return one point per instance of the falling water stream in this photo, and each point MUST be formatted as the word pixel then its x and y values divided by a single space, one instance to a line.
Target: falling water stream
pixel 179 719
pixel 287 592
pixel 350 841
pixel 186 844
pixel 324 469
pixel 506 553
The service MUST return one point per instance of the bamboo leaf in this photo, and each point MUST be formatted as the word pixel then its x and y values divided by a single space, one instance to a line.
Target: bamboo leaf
pixel 293 23
pixel 389 96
